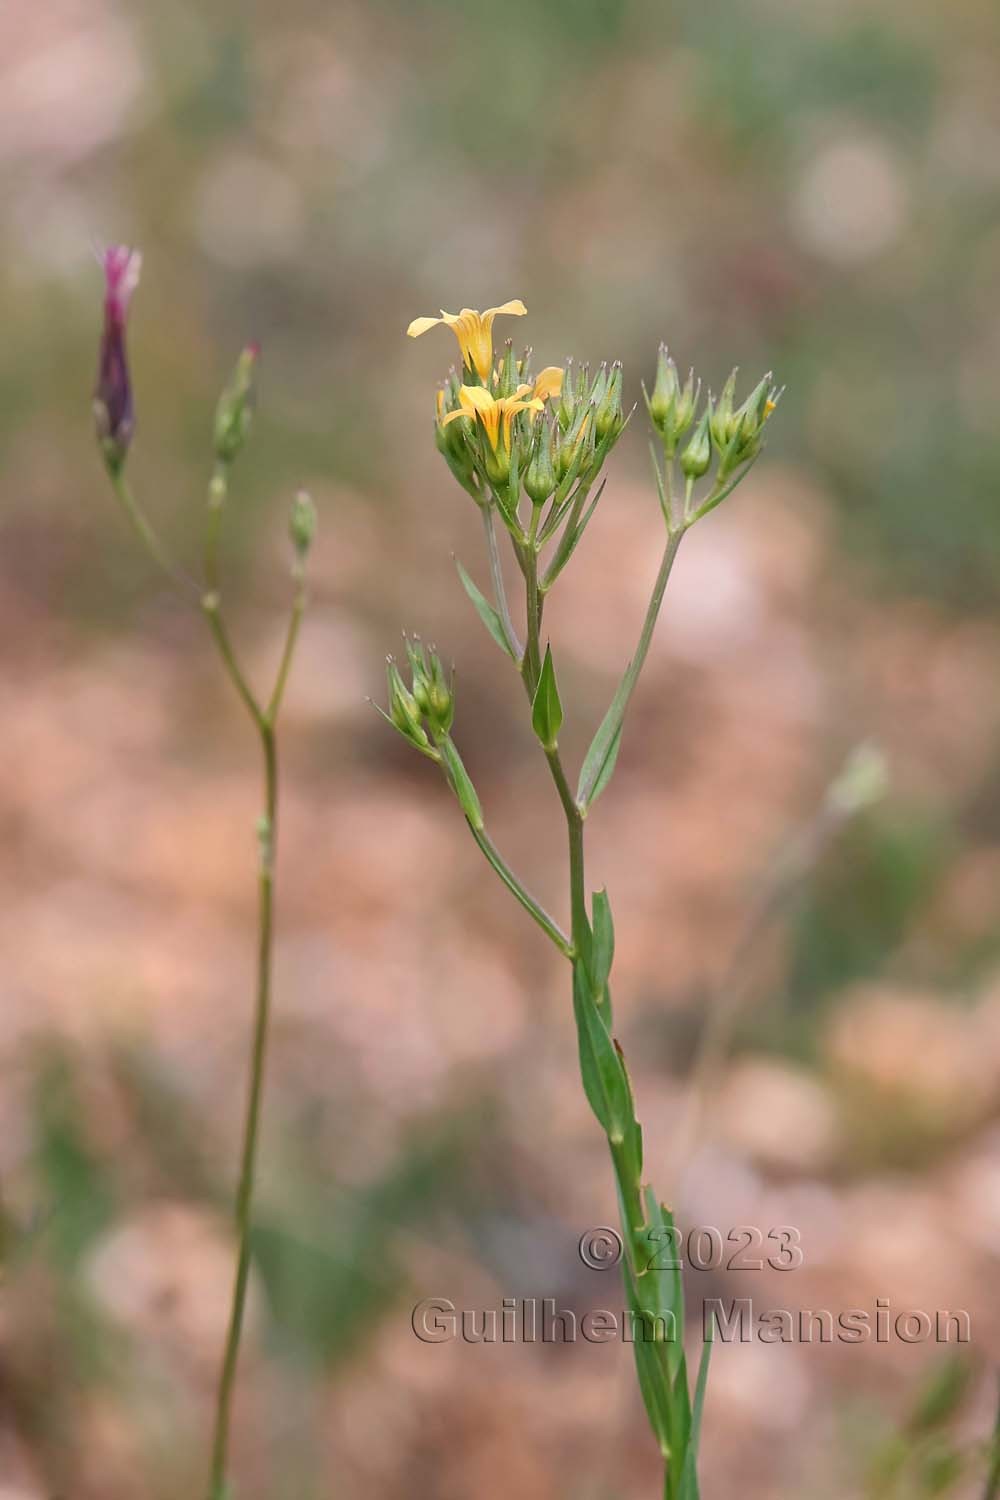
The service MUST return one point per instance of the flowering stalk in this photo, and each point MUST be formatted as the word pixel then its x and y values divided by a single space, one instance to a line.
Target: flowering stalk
pixel 113 407
pixel 530 453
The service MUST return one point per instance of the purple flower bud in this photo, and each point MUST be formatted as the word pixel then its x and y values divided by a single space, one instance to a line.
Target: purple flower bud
pixel 113 410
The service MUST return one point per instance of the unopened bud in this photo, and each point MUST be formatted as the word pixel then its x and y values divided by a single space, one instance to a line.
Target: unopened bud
pixel 404 711
pixel 302 523
pixel 697 456
pixel 663 400
pixel 114 414
pixel 723 419
pixel 540 478
pixel 234 413
pixel 507 377
pixel 609 418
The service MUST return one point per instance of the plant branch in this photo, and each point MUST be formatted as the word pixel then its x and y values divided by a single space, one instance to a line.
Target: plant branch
pixel 147 536
pixel 537 912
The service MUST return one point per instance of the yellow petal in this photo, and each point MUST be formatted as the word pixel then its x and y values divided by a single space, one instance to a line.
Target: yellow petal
pixel 549 382
pixel 421 325
pixel 516 309
pixel 452 415
pixel 476 398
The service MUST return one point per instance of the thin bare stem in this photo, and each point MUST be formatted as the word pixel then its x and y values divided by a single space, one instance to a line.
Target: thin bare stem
pixel 155 549
pixel 537 912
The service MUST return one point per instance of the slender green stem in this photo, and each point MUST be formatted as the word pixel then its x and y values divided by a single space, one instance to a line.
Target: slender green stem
pixel 531 663
pixel 212 610
pixel 496 574
pixel 244 1193
pixel 291 638
pixel 265 721
pixel 147 536
pixel 531 666
pixel 631 677
pixel 548 925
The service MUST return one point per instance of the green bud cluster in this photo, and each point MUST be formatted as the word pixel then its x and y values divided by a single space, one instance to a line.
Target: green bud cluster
pixel 672 406
pixel 422 712
pixel 737 432
pixel 731 435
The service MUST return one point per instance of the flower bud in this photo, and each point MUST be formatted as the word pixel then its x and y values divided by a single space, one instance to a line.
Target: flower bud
pixel 403 708
pixel 302 524
pixel 697 456
pixel 573 387
pixel 540 478
pixel 507 377
pixel 114 414
pixel 234 413
pixel 609 418
pixel 665 389
pixel 577 445
pixel 687 404
pixel 723 421
pixel 432 693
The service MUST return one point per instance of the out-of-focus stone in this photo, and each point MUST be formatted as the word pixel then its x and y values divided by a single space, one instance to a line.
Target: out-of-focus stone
pixel 911 1047
pixel 776 1114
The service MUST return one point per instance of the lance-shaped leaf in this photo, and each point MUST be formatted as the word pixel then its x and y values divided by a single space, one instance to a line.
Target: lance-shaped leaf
pixel 484 609
pixel 603 945
pixel 546 709
pixel 599 761
pixel 650 1366
pixel 605 1082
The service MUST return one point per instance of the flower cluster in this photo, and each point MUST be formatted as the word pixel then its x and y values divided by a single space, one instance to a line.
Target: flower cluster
pixel 429 698
pixel 732 434
pixel 507 433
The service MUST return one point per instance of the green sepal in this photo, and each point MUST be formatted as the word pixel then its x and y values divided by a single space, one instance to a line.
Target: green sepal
pixel 546 708
pixel 461 783
pixel 484 609
pixel 605 1081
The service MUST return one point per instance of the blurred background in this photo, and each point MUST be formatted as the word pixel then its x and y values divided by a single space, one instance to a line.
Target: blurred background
pixel 812 189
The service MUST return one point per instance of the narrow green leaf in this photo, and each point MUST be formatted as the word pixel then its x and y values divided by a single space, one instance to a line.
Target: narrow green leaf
pixel 462 784
pixel 650 1366
pixel 604 1080
pixel 603 947
pixel 484 609
pixel 689 1489
pixel 599 761
pixel 546 709
pixel 699 1392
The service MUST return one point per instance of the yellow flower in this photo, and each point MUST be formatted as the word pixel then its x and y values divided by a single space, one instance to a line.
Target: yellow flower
pixel 495 415
pixel 474 331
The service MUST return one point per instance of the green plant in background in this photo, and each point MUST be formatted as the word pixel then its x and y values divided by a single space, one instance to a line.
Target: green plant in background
pixel 115 420
pixel 530 452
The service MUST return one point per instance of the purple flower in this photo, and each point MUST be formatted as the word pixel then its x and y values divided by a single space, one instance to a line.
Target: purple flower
pixel 113 408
